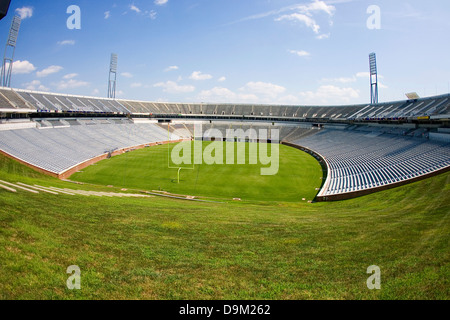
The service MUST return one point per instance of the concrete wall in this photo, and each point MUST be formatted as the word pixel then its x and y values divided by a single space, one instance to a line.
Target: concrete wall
pixel 444 137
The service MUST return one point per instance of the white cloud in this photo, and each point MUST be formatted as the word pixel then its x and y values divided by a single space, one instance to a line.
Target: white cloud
pixel 95 92
pixel 289 100
pixel 222 79
pixel 248 98
pixel 71 84
pixel 21 67
pixel 264 89
pixel 134 8
pixel 308 21
pixel 304 13
pixel 151 14
pixel 323 36
pixel 198 75
pixel 382 85
pixel 136 85
pixel 317 6
pixel 66 42
pixel 300 53
pixel 70 76
pixel 225 95
pixel 309 9
pixel 35 85
pixel 171 68
pixel 330 94
pixel 107 14
pixel 48 71
pixel 218 94
pixel 359 75
pixel 161 2
pixel 363 74
pixel 345 80
pixel 253 92
pixel 173 87
pixel 126 75
pixel 367 75
pixel 340 80
pixel 25 12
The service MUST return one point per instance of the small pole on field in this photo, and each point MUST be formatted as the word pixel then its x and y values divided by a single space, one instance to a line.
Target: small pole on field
pixel 179 169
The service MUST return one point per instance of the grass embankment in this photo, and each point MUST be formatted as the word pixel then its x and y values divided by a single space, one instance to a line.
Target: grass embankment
pixel 160 248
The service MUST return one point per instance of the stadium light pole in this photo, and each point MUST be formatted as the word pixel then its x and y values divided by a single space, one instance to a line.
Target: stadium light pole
pixel 10 49
pixel 112 79
pixel 373 78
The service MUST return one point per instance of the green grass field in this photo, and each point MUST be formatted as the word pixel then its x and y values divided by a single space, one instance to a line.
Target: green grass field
pixel 298 176
pixel 159 248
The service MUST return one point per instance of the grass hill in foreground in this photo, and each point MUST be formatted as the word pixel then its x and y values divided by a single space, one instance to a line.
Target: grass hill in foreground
pixel 159 248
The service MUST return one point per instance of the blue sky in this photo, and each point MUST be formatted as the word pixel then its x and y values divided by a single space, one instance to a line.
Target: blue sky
pixel 243 51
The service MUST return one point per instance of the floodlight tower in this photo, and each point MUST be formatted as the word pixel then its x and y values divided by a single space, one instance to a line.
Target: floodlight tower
pixel 373 79
pixel 10 49
pixel 112 77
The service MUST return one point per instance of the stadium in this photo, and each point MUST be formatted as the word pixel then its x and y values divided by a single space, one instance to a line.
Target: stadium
pixel 91 182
